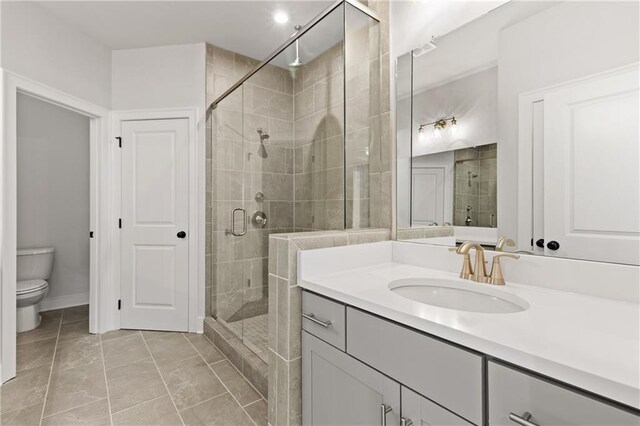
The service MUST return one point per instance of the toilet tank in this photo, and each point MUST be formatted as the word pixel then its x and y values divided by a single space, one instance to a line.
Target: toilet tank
pixel 34 263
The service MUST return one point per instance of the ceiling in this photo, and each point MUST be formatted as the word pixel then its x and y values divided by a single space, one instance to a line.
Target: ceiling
pixel 246 27
pixel 476 42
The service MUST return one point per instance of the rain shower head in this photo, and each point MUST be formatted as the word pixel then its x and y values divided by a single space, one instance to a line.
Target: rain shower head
pixel 297 63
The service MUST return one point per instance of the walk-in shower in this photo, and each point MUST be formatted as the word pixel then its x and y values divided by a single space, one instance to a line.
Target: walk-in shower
pixel 294 147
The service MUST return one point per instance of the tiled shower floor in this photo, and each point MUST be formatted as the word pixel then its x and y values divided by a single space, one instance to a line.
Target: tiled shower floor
pixel 67 376
pixel 255 334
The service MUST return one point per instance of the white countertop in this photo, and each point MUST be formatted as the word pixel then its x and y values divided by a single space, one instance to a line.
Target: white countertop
pixel 590 342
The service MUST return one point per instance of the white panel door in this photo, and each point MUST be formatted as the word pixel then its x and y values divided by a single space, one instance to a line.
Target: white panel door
pixel 428 196
pixel 155 255
pixel 591 162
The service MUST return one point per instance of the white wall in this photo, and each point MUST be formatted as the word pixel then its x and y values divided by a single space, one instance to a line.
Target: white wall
pixel 568 41
pixel 471 99
pixel 53 194
pixel 38 46
pixel 159 77
pixel 413 23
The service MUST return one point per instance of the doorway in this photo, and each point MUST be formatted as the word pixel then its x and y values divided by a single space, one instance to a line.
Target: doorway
pixel 16 88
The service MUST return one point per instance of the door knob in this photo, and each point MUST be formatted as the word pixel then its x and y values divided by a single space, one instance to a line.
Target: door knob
pixel 182 234
pixel 553 245
pixel 540 243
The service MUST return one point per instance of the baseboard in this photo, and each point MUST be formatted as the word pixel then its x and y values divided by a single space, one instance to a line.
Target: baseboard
pixel 51 303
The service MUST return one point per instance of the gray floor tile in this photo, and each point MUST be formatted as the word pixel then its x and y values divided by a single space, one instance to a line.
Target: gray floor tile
pixel 27 416
pixel 74 330
pixel 235 382
pixel 27 388
pixel 73 353
pixel 222 411
pixel 117 334
pixel 75 313
pixel 55 313
pixel 35 354
pixel 170 348
pixel 94 414
pixel 152 334
pixel 124 351
pixel 74 387
pixel 190 382
pixel 205 348
pixel 159 412
pixel 133 384
pixel 258 412
pixel 47 329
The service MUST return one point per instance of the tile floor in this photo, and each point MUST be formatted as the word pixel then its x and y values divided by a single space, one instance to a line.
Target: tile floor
pixel 67 376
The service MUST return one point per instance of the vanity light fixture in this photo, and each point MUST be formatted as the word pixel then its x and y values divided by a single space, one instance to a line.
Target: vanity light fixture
pixel 281 17
pixel 439 124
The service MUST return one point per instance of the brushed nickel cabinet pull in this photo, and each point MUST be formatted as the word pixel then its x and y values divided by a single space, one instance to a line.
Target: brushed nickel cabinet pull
pixel 384 409
pixel 524 420
pixel 313 319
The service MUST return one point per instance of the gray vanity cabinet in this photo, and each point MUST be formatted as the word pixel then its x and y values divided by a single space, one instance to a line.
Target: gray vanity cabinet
pixel 418 411
pixel 519 398
pixel 340 390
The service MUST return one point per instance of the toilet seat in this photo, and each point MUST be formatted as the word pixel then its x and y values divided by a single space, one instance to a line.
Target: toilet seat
pixel 30 286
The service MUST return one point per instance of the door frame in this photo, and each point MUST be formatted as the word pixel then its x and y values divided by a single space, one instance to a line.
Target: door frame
pixel 196 268
pixel 13 84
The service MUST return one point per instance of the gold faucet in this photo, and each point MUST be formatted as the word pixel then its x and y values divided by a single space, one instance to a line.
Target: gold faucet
pixel 479 272
pixel 504 241
pixel 496 277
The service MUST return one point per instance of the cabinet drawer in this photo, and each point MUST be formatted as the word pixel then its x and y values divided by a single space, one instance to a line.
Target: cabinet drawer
pixel 420 411
pixel 324 318
pixel 446 374
pixel 512 391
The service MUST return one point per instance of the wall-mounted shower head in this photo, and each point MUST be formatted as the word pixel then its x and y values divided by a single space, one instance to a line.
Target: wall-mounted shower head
pixel 263 135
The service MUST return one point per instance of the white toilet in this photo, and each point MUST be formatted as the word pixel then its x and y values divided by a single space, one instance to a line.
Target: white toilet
pixel 33 269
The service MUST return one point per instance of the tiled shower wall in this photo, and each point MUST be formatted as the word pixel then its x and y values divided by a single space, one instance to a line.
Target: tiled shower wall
pixel 478 192
pixel 237 169
pixel 319 124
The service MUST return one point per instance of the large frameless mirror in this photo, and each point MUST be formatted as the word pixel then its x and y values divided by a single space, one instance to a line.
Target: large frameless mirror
pixel 524 124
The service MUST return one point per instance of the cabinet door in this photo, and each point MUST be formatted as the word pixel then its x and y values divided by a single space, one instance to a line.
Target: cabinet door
pixel 420 411
pixel 514 396
pixel 340 390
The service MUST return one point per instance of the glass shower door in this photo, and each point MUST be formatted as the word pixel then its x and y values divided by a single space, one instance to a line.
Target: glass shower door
pixel 229 218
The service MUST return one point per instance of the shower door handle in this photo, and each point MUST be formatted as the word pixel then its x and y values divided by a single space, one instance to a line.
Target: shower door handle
pixel 244 222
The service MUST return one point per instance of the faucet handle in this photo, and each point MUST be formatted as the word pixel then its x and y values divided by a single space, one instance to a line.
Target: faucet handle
pixel 467 271
pixel 496 277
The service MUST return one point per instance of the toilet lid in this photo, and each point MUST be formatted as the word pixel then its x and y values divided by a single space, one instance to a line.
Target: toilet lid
pixel 30 286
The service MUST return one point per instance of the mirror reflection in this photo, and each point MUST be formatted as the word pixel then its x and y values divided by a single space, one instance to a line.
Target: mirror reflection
pixel 524 124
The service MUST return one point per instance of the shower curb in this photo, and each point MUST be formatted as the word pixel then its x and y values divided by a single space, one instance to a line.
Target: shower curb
pixel 254 369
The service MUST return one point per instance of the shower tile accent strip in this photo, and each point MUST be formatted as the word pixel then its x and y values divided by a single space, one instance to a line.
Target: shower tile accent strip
pixel 285 313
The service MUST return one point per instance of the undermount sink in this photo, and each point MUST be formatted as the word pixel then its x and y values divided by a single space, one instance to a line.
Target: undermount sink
pixel 458 295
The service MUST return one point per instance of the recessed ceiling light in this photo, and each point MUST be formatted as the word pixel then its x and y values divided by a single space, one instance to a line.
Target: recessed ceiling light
pixel 281 18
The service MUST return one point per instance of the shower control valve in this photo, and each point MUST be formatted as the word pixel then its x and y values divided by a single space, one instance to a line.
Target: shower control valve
pixel 259 219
